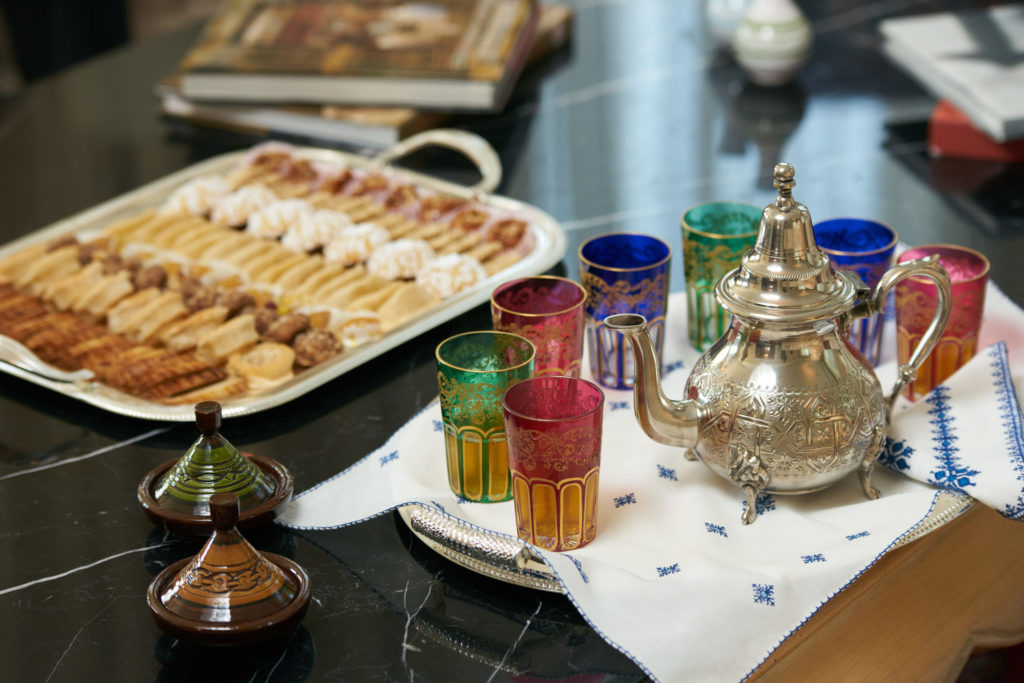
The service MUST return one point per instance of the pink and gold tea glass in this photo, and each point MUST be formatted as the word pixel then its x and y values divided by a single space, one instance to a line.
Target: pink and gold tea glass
pixel 554 450
pixel 547 310
pixel 915 306
pixel 473 371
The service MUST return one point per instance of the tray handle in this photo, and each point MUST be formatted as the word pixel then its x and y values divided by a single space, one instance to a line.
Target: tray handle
pixel 474 147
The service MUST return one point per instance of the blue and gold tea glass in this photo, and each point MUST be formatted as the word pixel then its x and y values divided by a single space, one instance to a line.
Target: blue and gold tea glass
pixel 473 371
pixel 865 247
pixel 622 273
pixel 715 238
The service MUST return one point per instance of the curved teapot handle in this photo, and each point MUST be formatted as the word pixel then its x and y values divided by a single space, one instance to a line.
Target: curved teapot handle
pixel 930 268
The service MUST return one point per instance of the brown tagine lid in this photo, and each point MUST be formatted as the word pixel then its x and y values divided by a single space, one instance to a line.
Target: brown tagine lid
pixel 229 593
pixel 177 493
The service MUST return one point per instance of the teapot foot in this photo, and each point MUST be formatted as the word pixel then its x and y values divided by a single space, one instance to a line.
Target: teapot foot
pixel 690 454
pixel 864 474
pixel 750 513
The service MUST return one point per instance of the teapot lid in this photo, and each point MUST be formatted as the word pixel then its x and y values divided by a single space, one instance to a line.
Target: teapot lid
pixel 785 276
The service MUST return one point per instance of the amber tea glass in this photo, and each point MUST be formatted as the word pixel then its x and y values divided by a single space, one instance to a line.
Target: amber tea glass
pixel 554 450
pixel 547 310
pixel 915 306
pixel 473 371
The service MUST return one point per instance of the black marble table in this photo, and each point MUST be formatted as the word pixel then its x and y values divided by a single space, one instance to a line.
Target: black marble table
pixel 639 119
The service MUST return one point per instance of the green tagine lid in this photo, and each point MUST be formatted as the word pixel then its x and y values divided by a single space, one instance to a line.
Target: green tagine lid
pixel 212 465
pixel 177 493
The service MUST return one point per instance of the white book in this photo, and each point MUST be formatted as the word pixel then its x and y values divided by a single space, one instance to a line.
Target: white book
pixel 974 59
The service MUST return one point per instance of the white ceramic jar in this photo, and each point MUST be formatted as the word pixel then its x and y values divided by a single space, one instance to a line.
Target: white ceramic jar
pixel 772 42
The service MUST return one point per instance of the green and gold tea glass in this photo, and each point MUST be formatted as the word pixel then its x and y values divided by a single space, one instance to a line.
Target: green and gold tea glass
pixel 715 237
pixel 473 371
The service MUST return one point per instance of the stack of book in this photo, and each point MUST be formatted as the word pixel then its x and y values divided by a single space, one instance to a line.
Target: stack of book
pixel 360 72
pixel 974 61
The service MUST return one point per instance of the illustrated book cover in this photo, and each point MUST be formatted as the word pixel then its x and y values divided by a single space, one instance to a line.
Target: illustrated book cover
pixel 444 54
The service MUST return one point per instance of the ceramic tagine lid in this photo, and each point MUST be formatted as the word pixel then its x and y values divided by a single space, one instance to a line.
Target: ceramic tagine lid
pixel 229 593
pixel 177 493
pixel 786 277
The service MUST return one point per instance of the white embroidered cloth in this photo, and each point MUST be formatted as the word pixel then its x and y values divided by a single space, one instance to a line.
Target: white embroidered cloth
pixel 674 579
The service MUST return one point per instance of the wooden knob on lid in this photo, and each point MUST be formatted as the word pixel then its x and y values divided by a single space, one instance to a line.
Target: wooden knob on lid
pixel 224 510
pixel 208 417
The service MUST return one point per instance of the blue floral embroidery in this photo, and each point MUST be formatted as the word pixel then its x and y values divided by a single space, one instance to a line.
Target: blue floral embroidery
pixel 765 502
pixel 619 405
pixel 627 499
pixel 896 454
pixel 460 500
pixel 390 457
pixel 808 559
pixel 951 473
pixel 674 365
pixel 671 569
pixel 579 568
pixel 1010 414
pixel 666 473
pixel 438 427
pixel 764 594
pixel 716 529
pixel 859 534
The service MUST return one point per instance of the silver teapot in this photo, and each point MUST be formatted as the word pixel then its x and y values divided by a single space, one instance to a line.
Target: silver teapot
pixel 782 402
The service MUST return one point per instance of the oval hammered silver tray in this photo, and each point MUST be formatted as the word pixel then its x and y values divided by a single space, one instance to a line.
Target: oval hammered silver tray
pixel 550 245
pixel 484 552
pixel 512 561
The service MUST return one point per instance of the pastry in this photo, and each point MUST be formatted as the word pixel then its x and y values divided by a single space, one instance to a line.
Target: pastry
pixel 314 347
pixel 122 316
pixel 263 365
pixel 351 291
pixel 63 292
pixel 284 329
pixel 450 274
pixel 371 301
pixel 355 327
pixel 235 209
pixel 228 338
pixel 292 277
pixel 197 197
pixel 185 333
pixel 151 317
pixel 272 220
pixel 405 303
pixel 314 230
pixel 353 244
pixel 104 293
pixel 400 259
pixel 232 385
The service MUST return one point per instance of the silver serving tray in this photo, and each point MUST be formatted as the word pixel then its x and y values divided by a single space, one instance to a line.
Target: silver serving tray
pixel 549 247
pixel 512 561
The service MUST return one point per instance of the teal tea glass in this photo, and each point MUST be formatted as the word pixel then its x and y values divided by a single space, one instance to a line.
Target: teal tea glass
pixel 867 248
pixel 715 238
pixel 473 371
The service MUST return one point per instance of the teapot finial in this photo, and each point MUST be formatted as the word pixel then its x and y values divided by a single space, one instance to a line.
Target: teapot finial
pixel 784 179
pixel 786 277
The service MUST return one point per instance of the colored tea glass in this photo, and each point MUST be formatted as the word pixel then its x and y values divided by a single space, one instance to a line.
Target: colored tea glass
pixel 547 310
pixel 715 237
pixel 867 248
pixel 473 371
pixel 554 450
pixel 915 305
pixel 622 273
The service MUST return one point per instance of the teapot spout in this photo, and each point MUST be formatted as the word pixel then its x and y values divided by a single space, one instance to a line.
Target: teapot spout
pixel 675 423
